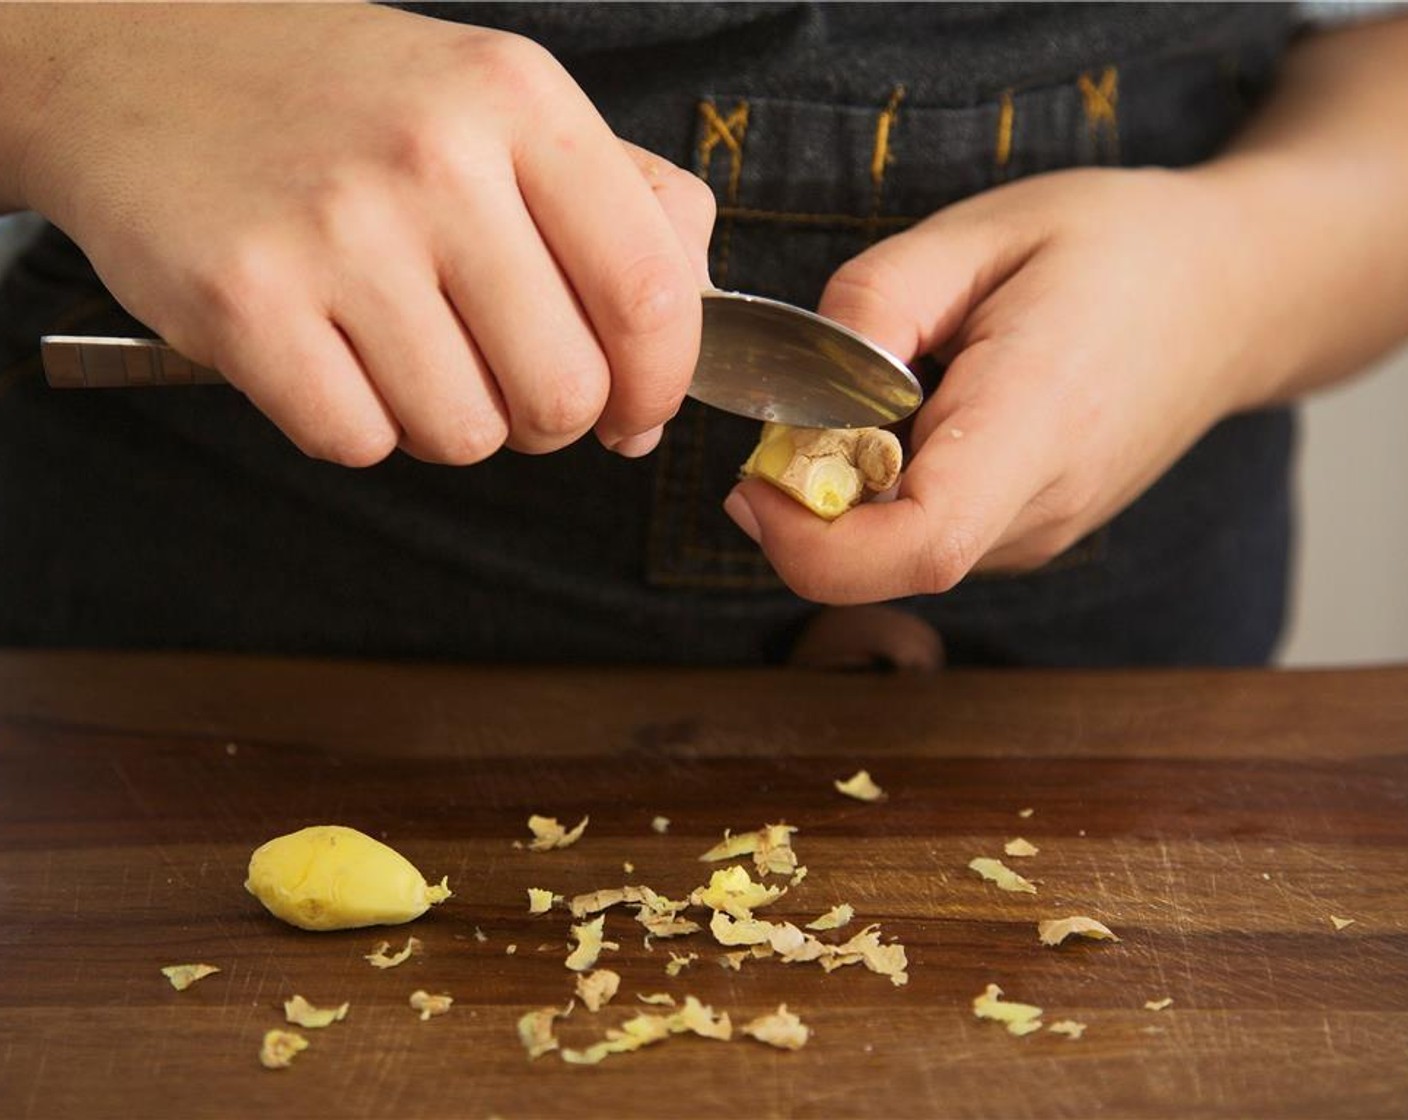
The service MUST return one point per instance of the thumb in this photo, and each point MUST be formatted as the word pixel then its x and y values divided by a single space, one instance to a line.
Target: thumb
pixel 959 494
pixel 911 292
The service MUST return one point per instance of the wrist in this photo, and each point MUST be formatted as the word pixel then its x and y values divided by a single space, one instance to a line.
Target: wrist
pixel 1315 223
pixel 1314 254
pixel 1259 277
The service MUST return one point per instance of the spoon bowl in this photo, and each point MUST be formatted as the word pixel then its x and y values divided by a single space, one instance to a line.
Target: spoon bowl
pixel 770 360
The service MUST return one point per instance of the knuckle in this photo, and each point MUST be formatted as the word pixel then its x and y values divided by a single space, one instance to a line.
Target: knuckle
pixel 951 555
pixel 344 214
pixel 235 289
pixel 354 446
pixel 423 150
pixel 863 282
pixel 471 441
pixel 564 411
pixel 521 70
pixel 697 196
pixel 643 411
pixel 653 295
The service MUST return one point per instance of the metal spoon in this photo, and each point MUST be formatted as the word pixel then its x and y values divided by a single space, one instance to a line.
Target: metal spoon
pixel 758 357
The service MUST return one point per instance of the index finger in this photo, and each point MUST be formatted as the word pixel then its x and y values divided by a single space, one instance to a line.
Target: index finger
pixel 625 262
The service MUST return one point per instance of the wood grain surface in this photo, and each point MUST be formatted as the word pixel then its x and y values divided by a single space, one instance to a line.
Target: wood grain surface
pixel 1215 821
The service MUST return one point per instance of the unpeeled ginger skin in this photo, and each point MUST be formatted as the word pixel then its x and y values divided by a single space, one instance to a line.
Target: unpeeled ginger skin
pixel 828 470
pixel 333 877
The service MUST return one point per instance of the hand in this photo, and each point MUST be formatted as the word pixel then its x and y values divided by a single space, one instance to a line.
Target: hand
pixel 384 229
pixel 1095 322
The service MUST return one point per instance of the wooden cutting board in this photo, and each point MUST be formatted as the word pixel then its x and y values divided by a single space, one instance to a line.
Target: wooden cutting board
pixel 1216 821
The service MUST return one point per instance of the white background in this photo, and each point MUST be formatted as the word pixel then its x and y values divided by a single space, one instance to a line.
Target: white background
pixel 1351 590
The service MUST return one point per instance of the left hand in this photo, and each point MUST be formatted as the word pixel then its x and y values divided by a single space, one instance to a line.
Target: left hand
pixel 1095 324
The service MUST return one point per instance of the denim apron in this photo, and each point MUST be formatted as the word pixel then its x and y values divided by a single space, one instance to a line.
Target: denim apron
pixel 182 519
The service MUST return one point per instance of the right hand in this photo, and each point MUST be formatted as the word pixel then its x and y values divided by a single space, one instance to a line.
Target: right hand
pixel 386 230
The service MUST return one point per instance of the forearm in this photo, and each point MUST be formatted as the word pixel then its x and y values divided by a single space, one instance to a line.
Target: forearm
pixel 1318 225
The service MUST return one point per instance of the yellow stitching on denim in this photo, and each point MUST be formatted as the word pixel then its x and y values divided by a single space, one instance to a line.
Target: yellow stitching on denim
pixel 1100 100
pixel 718 130
pixel 1006 111
pixel 1101 108
pixel 881 156
pixel 737 123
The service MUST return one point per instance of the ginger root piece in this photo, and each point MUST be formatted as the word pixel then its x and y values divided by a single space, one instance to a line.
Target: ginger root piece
pixel 1158 1004
pixel 1020 1018
pixel 333 877
pixel 1020 848
pixel 660 825
pixel 535 1029
pixel 279 1048
pixel 429 1005
pixel 781 1028
pixel 642 1030
pixel 378 957
pixel 699 1018
pixel 657 999
pixel 654 911
pixel 732 891
pixel 540 901
pixel 1338 923
pixel 1055 931
pixel 865 948
pixel 747 931
pixel 301 1013
pixel 995 871
pixel 597 989
pixel 182 976
pixel 1068 1027
pixel 665 925
pixel 834 918
pixel 645 1029
pixel 860 786
pixel 589 945
pixel 827 470
pixel 548 834
pixel 770 847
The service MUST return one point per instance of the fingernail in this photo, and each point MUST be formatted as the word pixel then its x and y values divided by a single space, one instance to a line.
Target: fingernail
pixel 633 447
pixel 737 507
